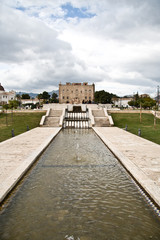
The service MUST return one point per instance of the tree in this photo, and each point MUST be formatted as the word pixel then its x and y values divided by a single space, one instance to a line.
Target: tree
pixel 54 98
pixel 18 96
pixel 25 96
pixel 39 96
pixel 148 102
pixel 5 106
pixel 13 104
pixel 103 97
pixel 45 95
pixel 131 103
pixel 145 102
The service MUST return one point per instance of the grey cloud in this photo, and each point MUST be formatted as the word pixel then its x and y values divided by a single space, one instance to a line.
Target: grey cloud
pixel 127 20
pixel 148 68
pixel 18 34
pixel 29 43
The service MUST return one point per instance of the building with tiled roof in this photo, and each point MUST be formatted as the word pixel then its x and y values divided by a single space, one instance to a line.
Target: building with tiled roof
pixel 5 97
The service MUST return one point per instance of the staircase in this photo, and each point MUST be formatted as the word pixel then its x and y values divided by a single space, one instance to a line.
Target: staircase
pixel 76 118
pixel 100 119
pixel 53 119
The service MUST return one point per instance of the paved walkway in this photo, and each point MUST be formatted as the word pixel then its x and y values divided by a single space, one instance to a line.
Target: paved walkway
pixel 141 157
pixel 17 155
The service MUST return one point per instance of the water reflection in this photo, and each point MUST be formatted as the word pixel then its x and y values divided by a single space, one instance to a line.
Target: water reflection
pixel 78 190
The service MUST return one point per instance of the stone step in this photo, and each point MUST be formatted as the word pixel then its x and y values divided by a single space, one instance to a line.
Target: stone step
pixel 101 122
pixel 52 122
pixel 98 113
pixel 55 113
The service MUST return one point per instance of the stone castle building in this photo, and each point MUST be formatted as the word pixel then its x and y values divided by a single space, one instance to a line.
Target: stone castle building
pixel 5 97
pixel 76 93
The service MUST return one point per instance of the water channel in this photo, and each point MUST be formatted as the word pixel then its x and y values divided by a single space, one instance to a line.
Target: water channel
pixel 78 191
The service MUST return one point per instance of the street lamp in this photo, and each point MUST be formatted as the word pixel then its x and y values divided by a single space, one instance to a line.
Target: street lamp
pixel 157 98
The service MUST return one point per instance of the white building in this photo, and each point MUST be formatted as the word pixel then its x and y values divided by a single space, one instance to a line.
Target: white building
pixel 5 97
pixel 30 101
pixel 121 102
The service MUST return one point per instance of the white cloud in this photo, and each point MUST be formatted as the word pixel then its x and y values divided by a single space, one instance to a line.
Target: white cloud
pixel 118 48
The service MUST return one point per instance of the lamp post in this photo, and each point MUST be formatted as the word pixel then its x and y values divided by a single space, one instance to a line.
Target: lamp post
pixel 140 112
pixel 157 98
pixel 157 107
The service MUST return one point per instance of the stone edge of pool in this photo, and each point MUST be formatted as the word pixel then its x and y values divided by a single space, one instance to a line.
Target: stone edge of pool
pixel 11 181
pixel 135 171
pixel 139 174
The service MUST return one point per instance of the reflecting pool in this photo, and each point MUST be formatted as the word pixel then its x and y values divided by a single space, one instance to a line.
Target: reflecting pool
pixel 78 191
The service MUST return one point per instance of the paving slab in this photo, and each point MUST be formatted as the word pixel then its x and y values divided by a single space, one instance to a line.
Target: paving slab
pixel 139 156
pixel 19 153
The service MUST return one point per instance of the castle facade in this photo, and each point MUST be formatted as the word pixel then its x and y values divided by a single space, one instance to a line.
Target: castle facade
pixel 76 93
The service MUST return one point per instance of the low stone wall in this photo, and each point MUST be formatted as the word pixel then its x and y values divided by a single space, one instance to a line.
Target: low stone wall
pixel 60 106
pixel 54 106
pixel 128 111
pixel 26 111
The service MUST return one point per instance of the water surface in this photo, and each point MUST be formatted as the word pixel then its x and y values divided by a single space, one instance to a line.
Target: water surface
pixel 78 190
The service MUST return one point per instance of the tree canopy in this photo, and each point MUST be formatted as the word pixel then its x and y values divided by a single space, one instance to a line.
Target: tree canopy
pixel 25 96
pixel 54 98
pixel 45 95
pixel 47 98
pixel 13 104
pixel 103 97
pixel 144 102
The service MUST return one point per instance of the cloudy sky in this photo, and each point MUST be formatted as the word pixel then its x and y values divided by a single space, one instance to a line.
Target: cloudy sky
pixel 112 43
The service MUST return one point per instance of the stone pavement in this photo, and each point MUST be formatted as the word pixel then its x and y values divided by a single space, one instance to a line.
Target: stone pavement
pixel 18 154
pixel 139 156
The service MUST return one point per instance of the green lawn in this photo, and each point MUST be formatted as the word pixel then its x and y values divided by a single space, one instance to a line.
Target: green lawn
pixel 18 122
pixel 132 120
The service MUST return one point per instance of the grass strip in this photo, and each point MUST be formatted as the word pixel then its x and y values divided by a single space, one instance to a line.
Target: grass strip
pixel 132 120
pixel 18 122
